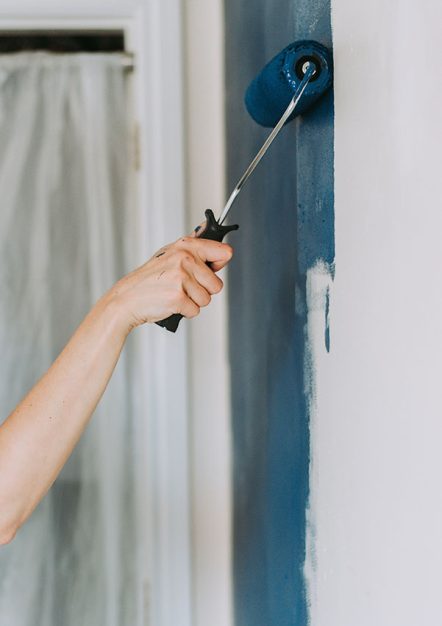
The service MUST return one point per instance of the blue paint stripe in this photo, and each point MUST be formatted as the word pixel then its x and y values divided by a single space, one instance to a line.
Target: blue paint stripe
pixel 286 218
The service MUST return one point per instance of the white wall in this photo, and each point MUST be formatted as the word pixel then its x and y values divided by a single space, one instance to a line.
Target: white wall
pixel 210 412
pixel 377 428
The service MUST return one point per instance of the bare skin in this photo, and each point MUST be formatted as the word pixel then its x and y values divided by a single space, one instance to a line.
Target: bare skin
pixel 40 434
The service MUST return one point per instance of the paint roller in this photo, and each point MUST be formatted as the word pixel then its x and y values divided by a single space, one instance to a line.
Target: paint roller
pixel 286 87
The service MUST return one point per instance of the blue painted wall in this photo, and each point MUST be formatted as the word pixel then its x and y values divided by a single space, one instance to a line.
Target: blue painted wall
pixel 286 217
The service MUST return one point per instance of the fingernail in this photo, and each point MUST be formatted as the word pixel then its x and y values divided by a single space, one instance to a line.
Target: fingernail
pixel 197 228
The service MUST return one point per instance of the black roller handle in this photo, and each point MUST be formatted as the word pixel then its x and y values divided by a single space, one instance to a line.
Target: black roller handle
pixel 214 232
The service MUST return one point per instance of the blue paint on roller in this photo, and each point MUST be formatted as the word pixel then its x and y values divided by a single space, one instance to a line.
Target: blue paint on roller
pixel 269 94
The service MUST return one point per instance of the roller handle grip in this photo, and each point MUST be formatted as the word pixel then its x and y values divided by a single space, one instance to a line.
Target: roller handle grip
pixel 214 232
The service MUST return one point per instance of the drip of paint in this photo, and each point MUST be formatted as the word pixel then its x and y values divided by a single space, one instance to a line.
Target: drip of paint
pixel 327 319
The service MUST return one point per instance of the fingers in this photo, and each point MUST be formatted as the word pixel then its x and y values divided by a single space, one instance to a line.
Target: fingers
pixel 177 279
pixel 194 284
pixel 200 296
pixel 213 252
pixel 204 275
pixel 188 308
pixel 218 265
pixel 193 297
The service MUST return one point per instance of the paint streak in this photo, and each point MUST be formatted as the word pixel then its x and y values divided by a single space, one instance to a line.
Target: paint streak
pixel 287 226
pixel 327 319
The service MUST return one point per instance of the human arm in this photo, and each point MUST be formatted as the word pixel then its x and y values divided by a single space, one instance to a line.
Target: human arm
pixel 40 434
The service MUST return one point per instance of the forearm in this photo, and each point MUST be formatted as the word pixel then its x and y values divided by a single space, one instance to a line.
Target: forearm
pixel 40 434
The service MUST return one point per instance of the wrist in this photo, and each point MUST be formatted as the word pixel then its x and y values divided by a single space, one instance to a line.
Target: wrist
pixel 112 310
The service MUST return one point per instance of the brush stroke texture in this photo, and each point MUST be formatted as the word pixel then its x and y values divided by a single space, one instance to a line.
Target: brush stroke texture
pixel 286 218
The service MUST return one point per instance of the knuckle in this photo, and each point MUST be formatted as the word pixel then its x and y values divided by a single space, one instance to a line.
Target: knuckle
pixel 229 251
pixel 205 299
pixel 178 277
pixel 179 255
pixel 184 259
pixel 217 285
pixel 194 312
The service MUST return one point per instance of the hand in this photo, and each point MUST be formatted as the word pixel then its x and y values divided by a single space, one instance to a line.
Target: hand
pixel 175 280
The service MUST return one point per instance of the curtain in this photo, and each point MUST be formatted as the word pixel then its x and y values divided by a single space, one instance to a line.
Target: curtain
pixel 65 224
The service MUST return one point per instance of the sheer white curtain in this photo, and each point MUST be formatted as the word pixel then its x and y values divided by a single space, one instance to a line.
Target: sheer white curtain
pixel 64 225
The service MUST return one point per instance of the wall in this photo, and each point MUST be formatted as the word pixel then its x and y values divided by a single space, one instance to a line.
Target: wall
pixel 209 413
pixel 286 218
pixel 377 429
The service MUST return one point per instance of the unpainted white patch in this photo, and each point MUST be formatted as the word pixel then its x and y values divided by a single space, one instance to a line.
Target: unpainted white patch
pixel 319 281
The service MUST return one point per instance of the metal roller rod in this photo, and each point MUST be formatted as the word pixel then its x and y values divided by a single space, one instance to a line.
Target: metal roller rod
pixel 309 70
